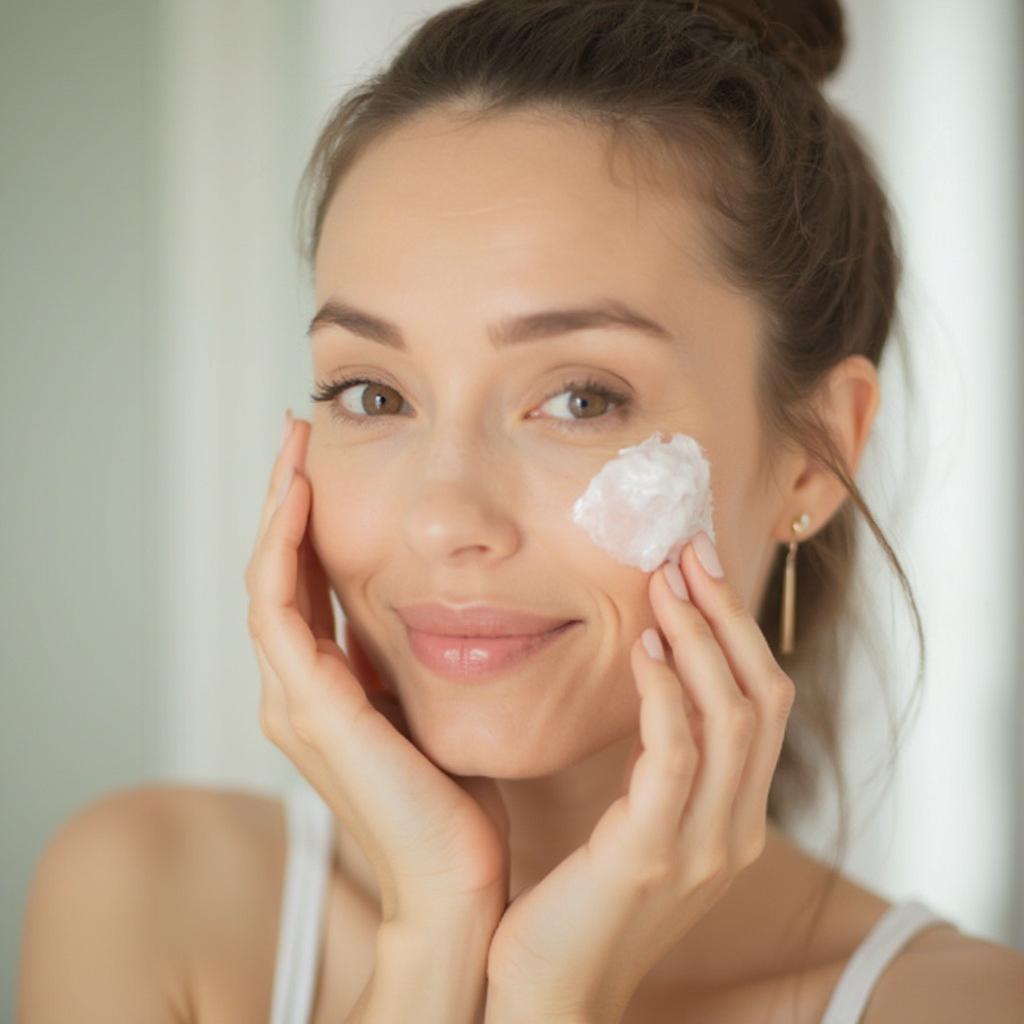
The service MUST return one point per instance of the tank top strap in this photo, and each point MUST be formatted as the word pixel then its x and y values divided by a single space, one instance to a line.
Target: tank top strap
pixel 309 826
pixel 893 930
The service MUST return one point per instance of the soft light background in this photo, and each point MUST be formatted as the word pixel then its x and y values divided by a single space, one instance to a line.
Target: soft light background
pixel 152 334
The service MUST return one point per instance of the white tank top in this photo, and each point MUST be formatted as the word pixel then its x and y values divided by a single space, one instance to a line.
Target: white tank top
pixel 303 905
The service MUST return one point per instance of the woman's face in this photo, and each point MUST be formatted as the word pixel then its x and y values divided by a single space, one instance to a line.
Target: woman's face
pixel 452 480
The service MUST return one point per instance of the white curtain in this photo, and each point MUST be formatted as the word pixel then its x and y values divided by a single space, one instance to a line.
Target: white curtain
pixel 236 119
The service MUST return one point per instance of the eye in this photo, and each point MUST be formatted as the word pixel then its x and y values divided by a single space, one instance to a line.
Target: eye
pixel 376 398
pixel 379 398
pixel 594 407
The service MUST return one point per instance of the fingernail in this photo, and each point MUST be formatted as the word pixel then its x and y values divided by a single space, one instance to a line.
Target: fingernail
pixel 675 580
pixel 707 556
pixel 285 484
pixel 286 429
pixel 652 643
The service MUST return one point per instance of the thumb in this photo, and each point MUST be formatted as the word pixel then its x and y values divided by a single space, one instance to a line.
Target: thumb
pixel 634 756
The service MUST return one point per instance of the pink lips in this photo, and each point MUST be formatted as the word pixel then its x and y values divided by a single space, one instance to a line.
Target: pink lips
pixel 463 657
pixel 475 620
pixel 479 641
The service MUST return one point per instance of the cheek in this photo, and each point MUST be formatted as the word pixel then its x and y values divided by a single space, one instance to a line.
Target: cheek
pixel 352 522
pixel 613 597
pixel 553 474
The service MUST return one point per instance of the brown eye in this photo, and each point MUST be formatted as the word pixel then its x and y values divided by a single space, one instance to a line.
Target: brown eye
pixel 588 401
pixel 585 402
pixel 588 407
pixel 376 398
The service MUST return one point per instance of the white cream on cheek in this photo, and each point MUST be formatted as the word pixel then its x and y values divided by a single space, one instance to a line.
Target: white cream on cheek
pixel 645 504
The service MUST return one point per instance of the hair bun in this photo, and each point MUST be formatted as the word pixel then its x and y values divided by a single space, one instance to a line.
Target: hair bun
pixel 808 35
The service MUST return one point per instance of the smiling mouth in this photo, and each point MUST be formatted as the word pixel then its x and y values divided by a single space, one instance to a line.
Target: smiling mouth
pixel 479 657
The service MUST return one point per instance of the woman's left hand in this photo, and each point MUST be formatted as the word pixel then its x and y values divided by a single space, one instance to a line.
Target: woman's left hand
pixel 575 946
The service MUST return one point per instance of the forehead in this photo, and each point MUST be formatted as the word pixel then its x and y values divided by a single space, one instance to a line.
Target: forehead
pixel 519 207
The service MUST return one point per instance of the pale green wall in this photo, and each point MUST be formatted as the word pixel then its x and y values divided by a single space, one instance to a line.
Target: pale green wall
pixel 77 688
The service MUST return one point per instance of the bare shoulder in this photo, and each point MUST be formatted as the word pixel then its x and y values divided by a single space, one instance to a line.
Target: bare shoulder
pixel 147 891
pixel 228 852
pixel 946 975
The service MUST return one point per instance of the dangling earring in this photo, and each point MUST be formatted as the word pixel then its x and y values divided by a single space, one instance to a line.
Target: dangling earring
pixel 789 586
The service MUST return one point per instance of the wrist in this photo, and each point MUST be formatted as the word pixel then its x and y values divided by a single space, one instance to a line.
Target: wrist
pixel 402 911
pixel 472 921
pixel 431 969
pixel 507 1008
pixel 466 933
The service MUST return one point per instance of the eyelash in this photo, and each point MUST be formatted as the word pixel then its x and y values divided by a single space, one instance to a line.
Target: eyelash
pixel 327 391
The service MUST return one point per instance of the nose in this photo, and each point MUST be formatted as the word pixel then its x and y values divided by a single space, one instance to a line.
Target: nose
pixel 451 522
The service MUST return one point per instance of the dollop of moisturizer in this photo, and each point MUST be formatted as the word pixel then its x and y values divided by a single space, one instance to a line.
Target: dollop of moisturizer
pixel 645 504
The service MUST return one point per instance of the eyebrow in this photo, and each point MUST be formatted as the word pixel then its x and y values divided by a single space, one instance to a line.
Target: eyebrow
pixel 606 314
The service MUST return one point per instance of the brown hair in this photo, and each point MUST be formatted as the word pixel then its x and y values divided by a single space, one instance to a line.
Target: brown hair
pixel 729 93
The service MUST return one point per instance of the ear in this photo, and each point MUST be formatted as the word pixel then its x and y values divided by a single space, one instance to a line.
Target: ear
pixel 848 403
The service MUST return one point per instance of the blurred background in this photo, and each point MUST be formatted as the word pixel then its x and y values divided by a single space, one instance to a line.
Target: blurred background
pixel 153 310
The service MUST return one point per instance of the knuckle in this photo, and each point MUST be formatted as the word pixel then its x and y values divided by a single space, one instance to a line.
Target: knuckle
pixel 678 761
pixel 673 633
pixel 710 866
pixel 270 724
pixel 785 690
pixel 742 721
pixel 303 724
pixel 653 875
pixel 733 605
pixel 255 620
pixel 701 628
pixel 754 848
pixel 782 695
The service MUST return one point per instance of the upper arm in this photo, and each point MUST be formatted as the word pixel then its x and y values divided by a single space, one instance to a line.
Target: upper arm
pixel 98 941
pixel 971 979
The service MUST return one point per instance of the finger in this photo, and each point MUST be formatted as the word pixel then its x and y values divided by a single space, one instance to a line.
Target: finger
pixel 662 778
pixel 321 695
pixel 292 453
pixel 283 460
pixel 750 808
pixel 314 592
pixel 744 645
pixel 383 700
pixel 727 719
pixel 274 711
pixel 757 674
pixel 634 755
pixel 313 589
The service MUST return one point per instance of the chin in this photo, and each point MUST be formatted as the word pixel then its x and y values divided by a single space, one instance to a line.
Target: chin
pixel 471 745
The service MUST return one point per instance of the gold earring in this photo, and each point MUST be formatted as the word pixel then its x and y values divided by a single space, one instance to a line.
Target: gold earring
pixel 789 586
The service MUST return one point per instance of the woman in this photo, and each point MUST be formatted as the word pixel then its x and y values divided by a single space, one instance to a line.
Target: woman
pixel 586 826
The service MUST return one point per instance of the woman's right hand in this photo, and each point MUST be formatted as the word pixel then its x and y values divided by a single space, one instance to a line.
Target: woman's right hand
pixel 437 843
